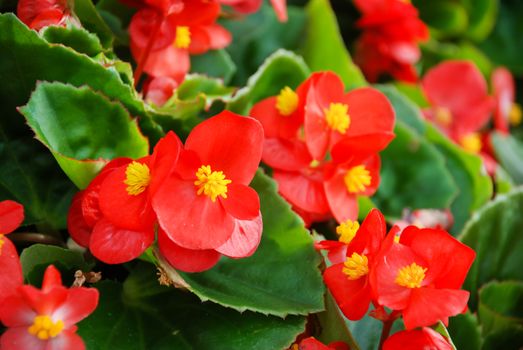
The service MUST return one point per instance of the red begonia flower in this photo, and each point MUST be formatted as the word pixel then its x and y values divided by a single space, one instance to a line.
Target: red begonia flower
pixel 37 14
pixel 506 111
pixel 348 281
pixel 422 276
pixel 460 101
pixel 46 318
pixel 11 216
pixel 209 186
pixel 389 43
pixel 159 90
pixel 313 344
pixel 424 338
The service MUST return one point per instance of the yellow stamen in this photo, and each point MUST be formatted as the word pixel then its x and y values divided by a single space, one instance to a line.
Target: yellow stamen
pixel 357 179
pixel 411 276
pixel 211 183
pixel 183 37
pixel 396 238
pixel 137 178
pixel 356 266
pixel 1 242
pixel 443 116
pixel 44 328
pixel 314 163
pixel 471 142
pixel 515 115
pixel 347 231
pixel 287 101
pixel 337 117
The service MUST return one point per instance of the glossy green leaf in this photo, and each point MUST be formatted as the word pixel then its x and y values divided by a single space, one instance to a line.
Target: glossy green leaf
pixel 501 305
pixel 324 49
pixel 447 18
pixel 441 329
pixel 494 232
pixel 281 278
pixel 37 257
pixel 93 22
pixel 509 152
pixel 413 175
pixel 509 338
pixel 83 129
pixel 482 17
pixel 142 315
pixel 216 64
pixel 78 39
pixel 465 331
pixel 283 68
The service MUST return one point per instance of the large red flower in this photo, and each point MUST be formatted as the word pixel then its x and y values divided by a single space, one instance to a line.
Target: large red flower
pixel 206 204
pixel 11 216
pixel 424 338
pixel 46 318
pixel 42 13
pixel 460 102
pixel 389 43
pixel 422 276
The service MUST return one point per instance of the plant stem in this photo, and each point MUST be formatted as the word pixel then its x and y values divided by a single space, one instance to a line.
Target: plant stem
pixel 385 331
pixel 33 237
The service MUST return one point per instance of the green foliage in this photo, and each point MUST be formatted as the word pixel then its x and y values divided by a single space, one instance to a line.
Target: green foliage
pixel 509 152
pixel 281 278
pixel 78 39
pixel 446 18
pixel 216 64
pixel 93 22
pixel 465 331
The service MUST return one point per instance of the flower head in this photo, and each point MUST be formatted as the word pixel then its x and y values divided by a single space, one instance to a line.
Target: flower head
pixel 424 338
pixel 38 14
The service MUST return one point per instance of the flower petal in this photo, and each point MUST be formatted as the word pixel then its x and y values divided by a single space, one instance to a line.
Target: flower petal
pixel 19 338
pixel 242 202
pixel 291 155
pixel 15 312
pixel 11 216
pixel 244 239
pixel 79 304
pixel 79 230
pixel 10 269
pixel 66 340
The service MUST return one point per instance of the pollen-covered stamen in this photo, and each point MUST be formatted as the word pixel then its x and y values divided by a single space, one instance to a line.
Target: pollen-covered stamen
pixel 44 327
pixel 357 179
pixel 1 242
pixel 211 183
pixel 183 37
pixel 443 116
pixel 337 117
pixel 356 266
pixel 347 231
pixel 515 115
pixel 137 178
pixel 411 276
pixel 471 142
pixel 287 101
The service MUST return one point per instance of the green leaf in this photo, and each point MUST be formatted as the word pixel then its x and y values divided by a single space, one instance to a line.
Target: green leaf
pixel 441 329
pixel 501 305
pixel 509 338
pixel 482 17
pixel 413 175
pixel 281 278
pixel 494 232
pixel 215 63
pixel 367 331
pixel 323 47
pixel 37 257
pixel 282 68
pixel 509 152
pixel 447 18
pixel 465 331
pixel 97 129
pixel 78 39
pixel 93 22
pixel 142 315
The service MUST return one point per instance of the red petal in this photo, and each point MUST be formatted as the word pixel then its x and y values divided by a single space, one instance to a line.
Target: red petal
pixel 11 216
pixel 425 338
pixel 15 312
pixel 19 338
pixel 80 303
pixel 370 235
pixel 52 279
pixel 428 306
pixel 114 245
pixel 190 220
pixel 347 148
pixel 290 155
pixel 337 251
pixel 229 143
pixel 280 8
pixel 503 86
pixel 169 61
pixel 43 303
pixel 79 230
pixel 200 40
pixel 274 124
pixel 142 26
pixel 67 340
pixel 184 259
pixel 164 159
pixel 219 37
pixel 10 269
pixel 312 344
pixel 242 202
pixel 244 239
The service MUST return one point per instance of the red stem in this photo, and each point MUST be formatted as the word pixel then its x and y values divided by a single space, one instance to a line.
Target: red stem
pixel 387 326
pixel 145 54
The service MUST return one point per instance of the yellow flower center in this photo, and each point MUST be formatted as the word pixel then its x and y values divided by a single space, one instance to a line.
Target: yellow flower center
pixel 314 163
pixel 471 142
pixel 44 328
pixel 356 266
pixel 347 231
pixel 515 115
pixel 443 116
pixel 183 37
pixel 287 101
pixel 211 183
pixel 357 179
pixel 411 276
pixel 337 117
pixel 1 242
pixel 137 178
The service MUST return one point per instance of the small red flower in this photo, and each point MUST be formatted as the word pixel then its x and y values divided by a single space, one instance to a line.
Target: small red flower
pixel 424 338
pixel 42 13
pixel 46 318
pixel 506 111
pixel 313 344
pixel 11 216
pixel 422 276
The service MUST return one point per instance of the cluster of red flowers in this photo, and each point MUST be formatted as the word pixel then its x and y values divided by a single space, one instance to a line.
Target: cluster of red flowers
pixel 389 42
pixel 196 196
pixel 38 14
pixel 415 272
pixel 323 144
pixel 37 319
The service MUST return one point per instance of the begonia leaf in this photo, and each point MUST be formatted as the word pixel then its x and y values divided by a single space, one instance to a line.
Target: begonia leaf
pixel 446 18
pixel 367 331
pixel 281 278
pixel 465 331
pixel 216 64
pixel 413 175
pixel 494 232
pixel 507 338
pixel 482 17
pixel 405 110
pixel 500 305
pixel 37 257
pixel 141 315
pixel 282 68
pixel 509 152
pixel 323 47
pixel 78 39
pixel 93 21
pixel 82 128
